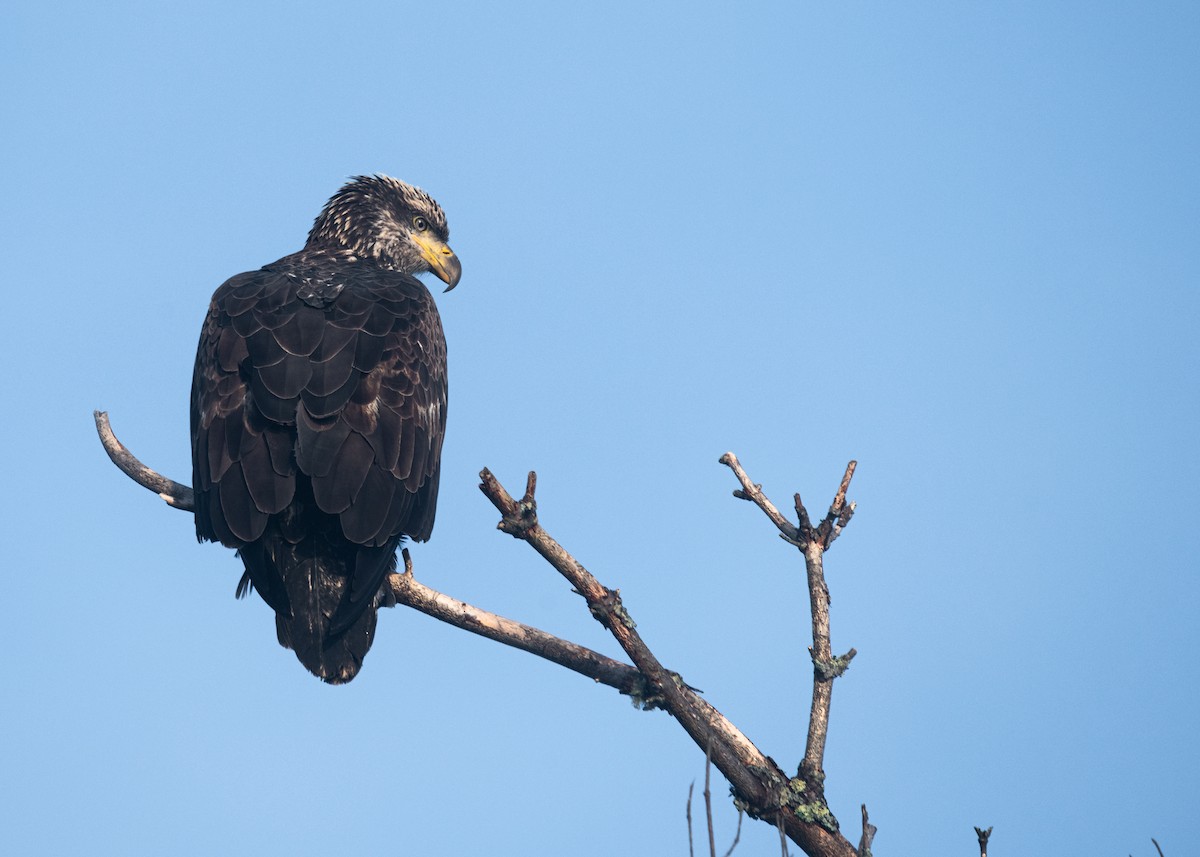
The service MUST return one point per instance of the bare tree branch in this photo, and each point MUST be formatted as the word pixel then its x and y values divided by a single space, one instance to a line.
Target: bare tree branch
pixel 179 496
pixel 759 785
pixel 868 834
pixel 813 541
pixel 412 593
pixel 737 834
pixel 983 835
pixel 754 494
pixel 702 722
pixel 712 836
pixel 691 845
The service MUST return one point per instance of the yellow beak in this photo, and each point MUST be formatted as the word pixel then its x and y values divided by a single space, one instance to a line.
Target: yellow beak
pixel 442 261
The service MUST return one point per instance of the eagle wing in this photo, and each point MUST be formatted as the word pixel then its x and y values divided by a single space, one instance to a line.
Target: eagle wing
pixel 319 396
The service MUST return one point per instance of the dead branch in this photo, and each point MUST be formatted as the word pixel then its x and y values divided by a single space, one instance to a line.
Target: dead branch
pixel 813 541
pixel 604 670
pixel 759 785
pixel 983 835
pixel 691 843
pixel 412 593
pixel 868 834
pixel 712 837
pixel 730 747
pixel 179 496
pixel 737 836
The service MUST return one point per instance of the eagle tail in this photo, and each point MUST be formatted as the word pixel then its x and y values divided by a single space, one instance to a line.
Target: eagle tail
pixel 317 586
pixel 320 613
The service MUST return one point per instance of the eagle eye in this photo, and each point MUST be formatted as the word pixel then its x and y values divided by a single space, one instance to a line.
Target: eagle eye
pixel 420 223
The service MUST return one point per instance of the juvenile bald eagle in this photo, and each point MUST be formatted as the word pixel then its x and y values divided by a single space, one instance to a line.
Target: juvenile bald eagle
pixel 318 410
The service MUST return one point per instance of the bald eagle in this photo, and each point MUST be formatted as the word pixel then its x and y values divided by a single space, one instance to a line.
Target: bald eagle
pixel 318 409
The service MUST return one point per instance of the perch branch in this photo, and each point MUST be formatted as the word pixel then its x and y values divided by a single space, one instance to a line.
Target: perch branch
pixel 412 593
pixel 177 495
pixel 758 783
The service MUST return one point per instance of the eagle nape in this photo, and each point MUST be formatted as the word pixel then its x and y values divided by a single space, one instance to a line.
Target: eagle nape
pixel 318 409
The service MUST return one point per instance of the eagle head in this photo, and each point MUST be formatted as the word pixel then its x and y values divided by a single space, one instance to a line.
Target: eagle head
pixel 391 223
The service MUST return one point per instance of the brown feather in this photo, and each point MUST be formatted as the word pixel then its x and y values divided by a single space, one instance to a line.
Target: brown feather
pixel 318 412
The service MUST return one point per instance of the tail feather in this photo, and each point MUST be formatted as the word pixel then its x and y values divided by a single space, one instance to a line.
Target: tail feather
pixel 317 588
pixel 329 631
pixel 371 568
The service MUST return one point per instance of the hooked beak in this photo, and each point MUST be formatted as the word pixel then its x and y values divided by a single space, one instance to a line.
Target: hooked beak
pixel 442 261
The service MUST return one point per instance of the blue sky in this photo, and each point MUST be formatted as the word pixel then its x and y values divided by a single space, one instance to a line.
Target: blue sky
pixel 956 242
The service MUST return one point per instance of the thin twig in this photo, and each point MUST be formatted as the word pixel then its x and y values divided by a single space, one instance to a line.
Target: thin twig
pixel 691 847
pixel 754 494
pixel 712 839
pixel 806 527
pixel 839 499
pixel 868 834
pixel 839 514
pixel 983 835
pixel 1156 848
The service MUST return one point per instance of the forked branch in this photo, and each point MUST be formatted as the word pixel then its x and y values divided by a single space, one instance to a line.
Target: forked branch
pixel 812 541
pixel 412 593
pixel 796 805
pixel 984 836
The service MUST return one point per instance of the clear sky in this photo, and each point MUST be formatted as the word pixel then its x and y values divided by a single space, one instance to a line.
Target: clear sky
pixel 954 241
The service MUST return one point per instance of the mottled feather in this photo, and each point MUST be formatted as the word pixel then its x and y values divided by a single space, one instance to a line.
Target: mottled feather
pixel 318 412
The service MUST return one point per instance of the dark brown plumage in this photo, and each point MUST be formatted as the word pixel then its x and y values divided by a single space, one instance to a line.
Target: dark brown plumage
pixel 318 411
